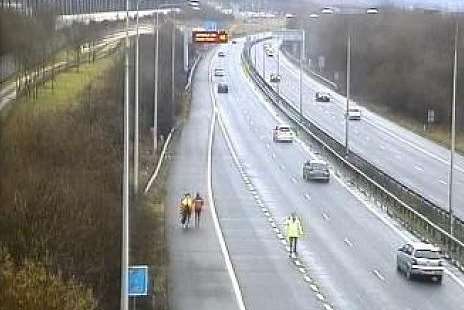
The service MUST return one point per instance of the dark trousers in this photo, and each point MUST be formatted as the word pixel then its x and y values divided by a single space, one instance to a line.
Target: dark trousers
pixel 197 218
pixel 293 241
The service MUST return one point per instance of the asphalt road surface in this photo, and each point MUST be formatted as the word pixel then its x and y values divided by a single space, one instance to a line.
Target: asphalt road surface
pixel 198 277
pixel 348 249
pixel 415 161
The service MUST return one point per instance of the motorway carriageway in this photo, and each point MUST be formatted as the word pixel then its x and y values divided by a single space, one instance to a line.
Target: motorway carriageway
pixel 349 248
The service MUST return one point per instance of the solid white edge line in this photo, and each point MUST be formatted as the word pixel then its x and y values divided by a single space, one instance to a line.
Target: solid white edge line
pixel 160 162
pixel 217 227
pixel 388 222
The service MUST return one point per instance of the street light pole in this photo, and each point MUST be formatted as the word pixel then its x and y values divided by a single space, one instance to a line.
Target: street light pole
pixel 348 78
pixel 136 108
pixel 125 179
pixel 330 11
pixel 173 58
pixel 453 131
pixel 155 102
pixel 302 47
pixel 278 70
pixel 264 64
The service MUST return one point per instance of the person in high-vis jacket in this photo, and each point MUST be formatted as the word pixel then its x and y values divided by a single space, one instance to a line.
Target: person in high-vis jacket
pixel 294 231
pixel 186 205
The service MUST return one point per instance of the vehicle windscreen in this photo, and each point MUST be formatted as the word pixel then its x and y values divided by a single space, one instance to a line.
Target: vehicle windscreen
pixel 427 254
pixel 319 166
pixel 284 129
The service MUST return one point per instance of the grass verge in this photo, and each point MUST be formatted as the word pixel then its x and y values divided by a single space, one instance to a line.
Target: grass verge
pixel 438 134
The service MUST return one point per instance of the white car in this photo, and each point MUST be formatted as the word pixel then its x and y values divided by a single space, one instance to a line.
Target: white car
pixel 322 96
pixel 282 133
pixel 420 259
pixel 219 72
pixel 270 52
pixel 221 54
pixel 274 78
pixel 354 112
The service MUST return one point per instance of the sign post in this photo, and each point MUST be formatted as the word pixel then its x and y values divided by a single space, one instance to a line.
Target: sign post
pixel 138 282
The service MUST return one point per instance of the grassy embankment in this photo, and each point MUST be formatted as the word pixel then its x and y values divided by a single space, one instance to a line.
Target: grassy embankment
pixel 60 187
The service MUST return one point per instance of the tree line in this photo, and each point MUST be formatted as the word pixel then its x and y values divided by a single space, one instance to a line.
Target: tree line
pixel 401 60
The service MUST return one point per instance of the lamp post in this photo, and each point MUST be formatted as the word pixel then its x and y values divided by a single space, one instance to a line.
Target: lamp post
pixel 453 131
pixel 330 11
pixel 125 180
pixel 195 6
pixel 136 105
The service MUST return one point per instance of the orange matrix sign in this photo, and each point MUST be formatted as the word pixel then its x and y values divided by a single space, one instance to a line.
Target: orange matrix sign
pixel 214 37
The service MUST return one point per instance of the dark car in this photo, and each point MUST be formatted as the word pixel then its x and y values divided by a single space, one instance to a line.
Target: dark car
pixel 317 170
pixel 222 88
pixel 275 78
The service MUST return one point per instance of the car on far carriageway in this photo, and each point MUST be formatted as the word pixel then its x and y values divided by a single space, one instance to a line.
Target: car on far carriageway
pixel 316 170
pixel 275 78
pixel 420 259
pixel 322 96
pixel 354 112
pixel 282 133
pixel 221 54
pixel 222 88
pixel 219 72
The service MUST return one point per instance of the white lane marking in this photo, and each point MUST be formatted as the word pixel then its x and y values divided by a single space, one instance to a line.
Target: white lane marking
pixel 442 182
pixel 325 216
pixel 386 130
pixel 217 227
pixel 418 168
pixel 387 221
pixel 454 277
pixel 307 196
pixel 378 275
pixel 273 155
pixel 294 180
pixel 268 146
pixel 348 242
pixel 371 209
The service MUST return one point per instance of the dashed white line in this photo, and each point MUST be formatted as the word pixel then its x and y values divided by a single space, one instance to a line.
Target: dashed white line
pixel 442 182
pixel 325 216
pixel 348 242
pixel 294 180
pixel 320 296
pixel 307 196
pixel 418 168
pixel 378 275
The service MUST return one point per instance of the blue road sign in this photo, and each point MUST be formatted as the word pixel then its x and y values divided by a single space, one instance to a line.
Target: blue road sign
pixel 138 280
pixel 210 25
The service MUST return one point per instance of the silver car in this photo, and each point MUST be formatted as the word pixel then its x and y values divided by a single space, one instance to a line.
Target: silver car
pixel 317 170
pixel 420 259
